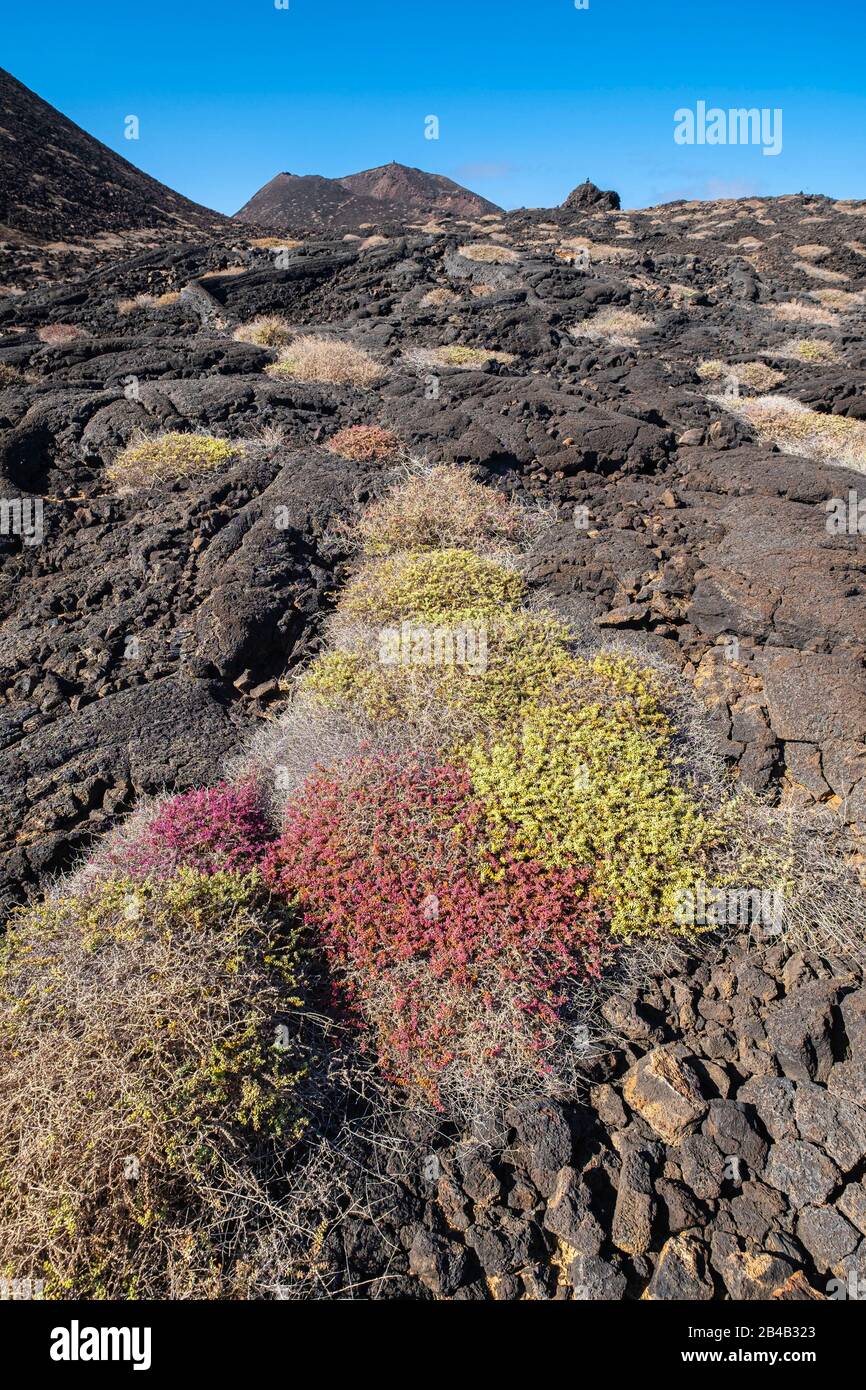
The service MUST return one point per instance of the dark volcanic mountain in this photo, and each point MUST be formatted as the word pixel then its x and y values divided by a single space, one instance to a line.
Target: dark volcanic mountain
pixel 59 182
pixel 392 193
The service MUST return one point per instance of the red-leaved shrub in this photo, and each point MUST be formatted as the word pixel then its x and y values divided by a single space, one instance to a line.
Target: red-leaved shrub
pixel 216 829
pixel 448 959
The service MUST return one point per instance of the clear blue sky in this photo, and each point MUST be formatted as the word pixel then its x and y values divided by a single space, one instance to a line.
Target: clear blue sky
pixel 532 96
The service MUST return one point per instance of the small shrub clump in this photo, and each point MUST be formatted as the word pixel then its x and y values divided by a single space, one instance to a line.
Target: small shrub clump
pixel 525 657
pixel 809 350
pixel 313 358
pixel 268 330
pixel 795 429
pixel 147 301
pixel 424 586
pixel 489 254
pixel 219 829
pixel 797 311
pixel 619 327
pixel 438 296
pixel 9 375
pixel 843 300
pixel 442 508
pixel 757 376
pixel 364 443
pixel 458 355
pixel 162 457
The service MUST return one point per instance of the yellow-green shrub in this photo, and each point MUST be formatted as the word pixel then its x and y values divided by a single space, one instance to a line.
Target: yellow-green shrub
pixel 592 781
pixel 443 507
pixel 526 657
pixel 453 585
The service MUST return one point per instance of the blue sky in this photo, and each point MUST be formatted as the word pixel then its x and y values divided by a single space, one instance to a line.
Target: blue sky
pixel 531 97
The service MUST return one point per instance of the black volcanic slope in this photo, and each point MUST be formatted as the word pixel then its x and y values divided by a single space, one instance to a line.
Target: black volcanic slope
pixel 394 192
pixel 59 182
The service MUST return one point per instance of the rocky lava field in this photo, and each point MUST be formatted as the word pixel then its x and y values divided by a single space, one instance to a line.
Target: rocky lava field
pixel 717 1145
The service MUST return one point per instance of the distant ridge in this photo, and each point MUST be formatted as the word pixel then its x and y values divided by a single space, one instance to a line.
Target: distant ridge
pixel 393 192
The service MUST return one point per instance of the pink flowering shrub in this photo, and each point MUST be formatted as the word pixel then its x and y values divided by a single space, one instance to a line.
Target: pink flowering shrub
pixel 57 334
pixel 220 829
pixel 446 957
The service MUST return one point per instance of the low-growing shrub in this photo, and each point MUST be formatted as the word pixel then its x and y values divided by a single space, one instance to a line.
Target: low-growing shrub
pixel 225 272
pixel 808 350
pixel 438 296
pixel 313 358
pixel 9 375
pixel 154 1064
pixel 268 330
pixel 219 829
pixel 757 376
pixel 807 860
pixel 488 253
pixel 452 583
pixel 148 301
pixel 450 972
pixel 458 355
pixel 58 334
pixel 820 272
pixel 441 508
pixel 797 311
pixel 843 300
pixel 506 660
pixel 364 443
pixel 795 429
pixel 620 327
pixel 276 243
pixel 158 458
pixel 593 782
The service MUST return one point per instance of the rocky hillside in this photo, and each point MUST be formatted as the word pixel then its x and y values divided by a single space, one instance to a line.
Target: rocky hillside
pixel 392 193
pixel 58 183
pixel 682 388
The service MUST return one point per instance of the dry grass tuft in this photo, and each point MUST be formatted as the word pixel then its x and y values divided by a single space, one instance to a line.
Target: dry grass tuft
pixel 229 270
pixel 794 429
pixel 442 508
pixel 757 376
pixel 9 375
pixel 364 443
pixel 58 334
pixel 819 272
pixel 490 254
pixel 807 350
pixel 809 859
pixel 276 243
pixel 812 251
pixel 619 327
pixel 797 311
pixel 268 330
pixel 149 460
pixel 330 360
pixel 146 1110
pixel 599 252
pixel 457 355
